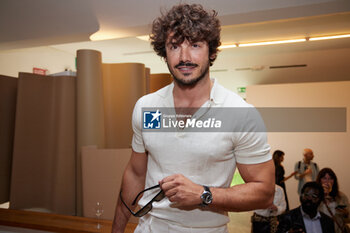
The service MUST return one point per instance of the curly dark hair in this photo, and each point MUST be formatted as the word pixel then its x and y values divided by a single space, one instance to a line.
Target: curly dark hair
pixel 190 22
pixel 335 189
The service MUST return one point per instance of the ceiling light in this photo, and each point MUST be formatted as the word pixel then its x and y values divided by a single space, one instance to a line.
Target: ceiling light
pixel 102 36
pixel 271 42
pixel 106 34
pixel 145 37
pixel 233 45
pixel 228 46
pixel 329 37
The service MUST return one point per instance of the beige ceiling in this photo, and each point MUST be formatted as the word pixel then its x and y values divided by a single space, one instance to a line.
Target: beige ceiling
pixel 27 23
pixel 67 25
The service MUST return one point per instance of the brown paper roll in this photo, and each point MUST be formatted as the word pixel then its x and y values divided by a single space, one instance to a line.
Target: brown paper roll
pixel 102 176
pixel 90 109
pixel 158 81
pixel 124 84
pixel 43 166
pixel 8 95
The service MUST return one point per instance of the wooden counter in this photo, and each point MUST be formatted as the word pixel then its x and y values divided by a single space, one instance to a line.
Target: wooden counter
pixel 55 222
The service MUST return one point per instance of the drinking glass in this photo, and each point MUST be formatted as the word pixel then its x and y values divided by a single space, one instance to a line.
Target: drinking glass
pixel 98 213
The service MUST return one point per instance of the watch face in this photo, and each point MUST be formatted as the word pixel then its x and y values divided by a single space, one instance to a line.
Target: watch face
pixel 207 198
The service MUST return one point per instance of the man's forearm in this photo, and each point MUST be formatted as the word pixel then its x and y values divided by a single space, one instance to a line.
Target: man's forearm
pixel 257 192
pixel 133 182
pixel 122 214
pixel 244 197
pixel 121 218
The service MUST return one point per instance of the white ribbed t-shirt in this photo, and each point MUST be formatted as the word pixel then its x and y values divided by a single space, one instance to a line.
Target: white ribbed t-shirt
pixel 206 158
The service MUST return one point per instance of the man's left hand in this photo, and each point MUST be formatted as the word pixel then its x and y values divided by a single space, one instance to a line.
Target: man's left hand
pixel 181 190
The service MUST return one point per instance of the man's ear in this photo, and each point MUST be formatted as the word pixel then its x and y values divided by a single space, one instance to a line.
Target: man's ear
pixel 213 56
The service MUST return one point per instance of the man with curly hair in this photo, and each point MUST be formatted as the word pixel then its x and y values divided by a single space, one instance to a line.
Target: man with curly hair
pixel 187 175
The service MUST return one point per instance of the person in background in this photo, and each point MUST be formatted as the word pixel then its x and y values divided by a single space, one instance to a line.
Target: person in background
pixel 306 170
pixel 278 157
pixel 265 220
pixel 184 178
pixel 336 203
pixel 306 218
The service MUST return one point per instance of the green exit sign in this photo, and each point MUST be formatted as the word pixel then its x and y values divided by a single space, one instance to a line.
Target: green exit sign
pixel 241 89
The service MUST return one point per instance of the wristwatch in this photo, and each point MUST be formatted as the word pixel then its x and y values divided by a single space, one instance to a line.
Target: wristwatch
pixel 206 196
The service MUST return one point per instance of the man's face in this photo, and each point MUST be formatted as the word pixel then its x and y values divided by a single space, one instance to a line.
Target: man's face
pixel 309 155
pixel 187 62
pixel 310 200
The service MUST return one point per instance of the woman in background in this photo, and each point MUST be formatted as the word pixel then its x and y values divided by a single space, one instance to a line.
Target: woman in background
pixel 335 204
pixel 278 157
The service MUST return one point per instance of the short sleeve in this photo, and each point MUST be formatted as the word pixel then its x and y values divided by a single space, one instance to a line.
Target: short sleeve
pixel 137 140
pixel 250 142
pixel 252 148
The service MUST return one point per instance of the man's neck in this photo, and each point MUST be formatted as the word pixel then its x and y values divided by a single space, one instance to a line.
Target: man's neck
pixel 192 96
pixel 307 161
pixel 311 214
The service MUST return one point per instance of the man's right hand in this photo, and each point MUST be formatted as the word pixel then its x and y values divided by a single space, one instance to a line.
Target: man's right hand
pixel 308 171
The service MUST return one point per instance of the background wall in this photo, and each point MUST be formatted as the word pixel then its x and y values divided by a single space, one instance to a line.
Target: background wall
pixel 330 149
pixel 321 64
pixel 45 57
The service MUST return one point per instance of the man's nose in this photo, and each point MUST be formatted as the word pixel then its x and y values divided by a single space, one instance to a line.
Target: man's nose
pixel 185 54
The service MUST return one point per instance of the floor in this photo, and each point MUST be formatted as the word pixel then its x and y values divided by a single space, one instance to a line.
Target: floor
pixel 6 229
pixel 240 222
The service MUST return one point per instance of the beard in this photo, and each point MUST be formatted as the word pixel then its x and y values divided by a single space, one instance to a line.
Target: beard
pixel 189 82
pixel 309 207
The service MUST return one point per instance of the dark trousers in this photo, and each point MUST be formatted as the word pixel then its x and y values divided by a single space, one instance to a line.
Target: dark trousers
pixel 261 227
pixel 261 224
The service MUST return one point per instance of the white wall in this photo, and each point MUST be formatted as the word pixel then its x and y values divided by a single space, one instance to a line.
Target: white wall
pixel 330 149
pixel 322 65
pixel 23 60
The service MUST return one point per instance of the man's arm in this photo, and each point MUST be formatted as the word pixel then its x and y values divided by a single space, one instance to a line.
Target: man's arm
pixel 132 183
pixel 256 193
pixel 298 175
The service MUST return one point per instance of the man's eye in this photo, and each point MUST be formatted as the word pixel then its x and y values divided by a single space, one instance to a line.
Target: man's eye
pixel 195 45
pixel 174 47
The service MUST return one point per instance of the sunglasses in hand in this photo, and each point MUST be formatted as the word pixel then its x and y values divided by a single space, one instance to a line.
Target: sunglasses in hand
pixel 146 208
